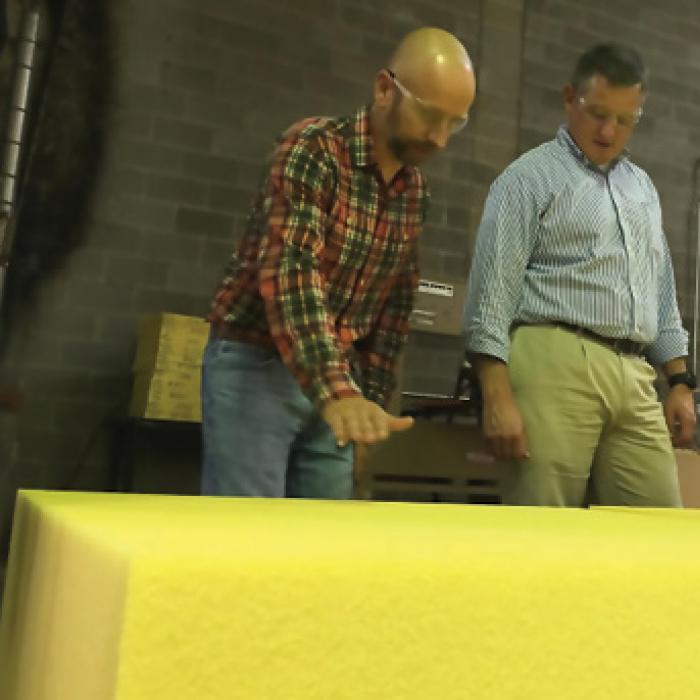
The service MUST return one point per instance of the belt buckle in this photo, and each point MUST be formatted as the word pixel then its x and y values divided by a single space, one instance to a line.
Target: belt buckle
pixel 627 346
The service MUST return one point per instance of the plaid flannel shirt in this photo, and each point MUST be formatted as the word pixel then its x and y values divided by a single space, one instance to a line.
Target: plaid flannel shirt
pixel 327 267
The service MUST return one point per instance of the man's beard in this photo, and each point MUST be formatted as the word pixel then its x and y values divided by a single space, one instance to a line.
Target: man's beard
pixel 408 151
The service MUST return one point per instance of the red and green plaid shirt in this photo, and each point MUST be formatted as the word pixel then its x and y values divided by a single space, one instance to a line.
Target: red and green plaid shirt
pixel 327 267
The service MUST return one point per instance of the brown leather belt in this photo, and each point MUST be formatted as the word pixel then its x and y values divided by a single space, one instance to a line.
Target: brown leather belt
pixel 622 346
pixel 224 331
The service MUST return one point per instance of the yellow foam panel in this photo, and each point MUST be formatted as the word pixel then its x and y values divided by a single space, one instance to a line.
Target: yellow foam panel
pixel 135 597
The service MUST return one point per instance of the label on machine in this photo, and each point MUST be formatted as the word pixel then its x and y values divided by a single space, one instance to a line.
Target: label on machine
pixel 440 289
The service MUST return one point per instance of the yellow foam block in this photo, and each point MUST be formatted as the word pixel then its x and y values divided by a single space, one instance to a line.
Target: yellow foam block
pixel 134 597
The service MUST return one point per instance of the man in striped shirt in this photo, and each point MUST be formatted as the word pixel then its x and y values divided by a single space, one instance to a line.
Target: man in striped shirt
pixel 571 297
pixel 312 313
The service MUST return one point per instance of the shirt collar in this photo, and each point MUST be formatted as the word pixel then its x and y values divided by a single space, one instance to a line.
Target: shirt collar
pixel 362 147
pixel 565 138
pixel 361 142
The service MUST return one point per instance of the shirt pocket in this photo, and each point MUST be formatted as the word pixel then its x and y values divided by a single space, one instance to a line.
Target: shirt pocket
pixel 571 225
pixel 393 250
pixel 401 227
pixel 347 251
pixel 652 237
pixel 643 216
pixel 349 241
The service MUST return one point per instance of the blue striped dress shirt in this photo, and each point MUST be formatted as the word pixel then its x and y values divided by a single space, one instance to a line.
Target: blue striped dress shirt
pixel 564 240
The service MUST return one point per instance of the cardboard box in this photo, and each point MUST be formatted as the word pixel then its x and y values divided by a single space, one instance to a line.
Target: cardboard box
pixel 167 339
pixel 172 393
pixel 689 477
pixel 431 461
pixel 168 367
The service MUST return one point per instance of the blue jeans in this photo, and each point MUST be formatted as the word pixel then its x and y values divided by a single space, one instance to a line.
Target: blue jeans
pixel 262 436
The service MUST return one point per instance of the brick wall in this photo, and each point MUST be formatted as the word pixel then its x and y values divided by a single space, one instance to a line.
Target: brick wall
pixel 203 86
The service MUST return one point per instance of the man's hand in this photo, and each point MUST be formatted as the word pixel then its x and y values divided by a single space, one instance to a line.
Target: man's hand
pixel 504 428
pixel 680 415
pixel 358 420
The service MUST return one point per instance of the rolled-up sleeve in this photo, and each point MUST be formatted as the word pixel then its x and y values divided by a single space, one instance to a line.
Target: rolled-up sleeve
pixel 672 339
pixel 503 248
pixel 291 284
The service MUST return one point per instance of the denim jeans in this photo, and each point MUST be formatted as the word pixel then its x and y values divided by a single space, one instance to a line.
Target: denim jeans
pixel 262 436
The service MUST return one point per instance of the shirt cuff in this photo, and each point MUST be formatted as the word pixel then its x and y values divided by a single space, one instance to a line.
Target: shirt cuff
pixel 488 346
pixel 333 384
pixel 668 346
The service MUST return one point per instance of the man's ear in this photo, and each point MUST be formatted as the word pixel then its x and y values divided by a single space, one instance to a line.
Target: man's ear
pixel 569 94
pixel 383 89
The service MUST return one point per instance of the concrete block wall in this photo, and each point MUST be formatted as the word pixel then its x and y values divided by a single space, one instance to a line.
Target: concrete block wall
pixel 667 141
pixel 433 362
pixel 203 87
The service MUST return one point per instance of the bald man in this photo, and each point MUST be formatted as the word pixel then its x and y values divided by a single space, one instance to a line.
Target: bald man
pixel 309 320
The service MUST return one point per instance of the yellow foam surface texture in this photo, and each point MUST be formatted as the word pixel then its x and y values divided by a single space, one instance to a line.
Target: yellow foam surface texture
pixel 130 597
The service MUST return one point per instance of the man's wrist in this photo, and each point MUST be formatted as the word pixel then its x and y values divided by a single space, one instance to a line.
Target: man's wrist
pixel 685 378
pixel 493 377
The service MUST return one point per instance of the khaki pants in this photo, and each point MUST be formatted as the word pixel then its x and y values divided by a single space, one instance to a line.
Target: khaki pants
pixel 589 413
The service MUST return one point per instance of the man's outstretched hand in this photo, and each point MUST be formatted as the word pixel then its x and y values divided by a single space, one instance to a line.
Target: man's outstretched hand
pixel 356 419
